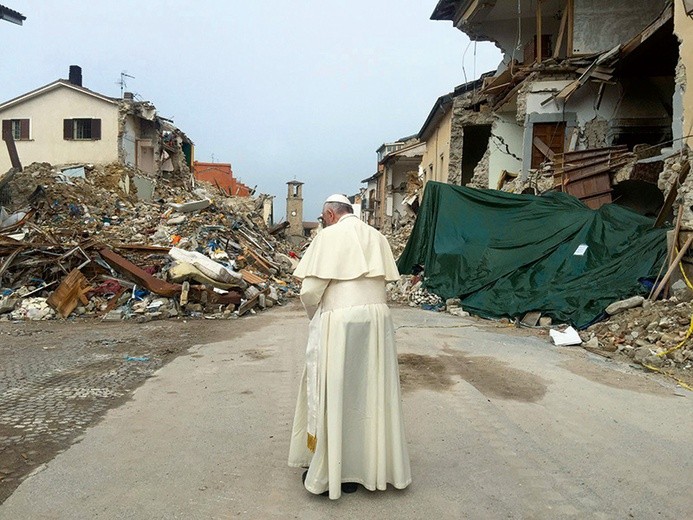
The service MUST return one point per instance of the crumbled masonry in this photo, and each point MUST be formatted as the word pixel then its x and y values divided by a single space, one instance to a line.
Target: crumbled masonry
pixel 53 224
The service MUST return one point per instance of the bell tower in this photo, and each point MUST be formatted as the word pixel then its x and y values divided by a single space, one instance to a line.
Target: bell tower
pixel 294 208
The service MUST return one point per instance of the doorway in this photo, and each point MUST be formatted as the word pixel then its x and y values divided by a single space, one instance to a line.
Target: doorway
pixel 474 143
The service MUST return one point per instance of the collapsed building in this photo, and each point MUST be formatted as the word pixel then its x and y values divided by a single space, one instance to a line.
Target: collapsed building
pixel 596 85
pixel 116 227
pixel 589 101
pixel 65 123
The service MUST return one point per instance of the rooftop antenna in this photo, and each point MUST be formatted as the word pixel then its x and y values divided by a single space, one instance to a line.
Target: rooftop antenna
pixel 122 83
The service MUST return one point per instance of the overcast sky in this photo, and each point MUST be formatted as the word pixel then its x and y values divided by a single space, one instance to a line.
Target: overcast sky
pixel 280 89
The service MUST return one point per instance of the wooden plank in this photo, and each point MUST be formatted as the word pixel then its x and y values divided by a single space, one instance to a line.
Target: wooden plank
pixel 543 148
pixel 251 278
pixel 69 293
pixel 258 260
pixel 591 151
pixel 674 243
pixel 567 90
pixel 11 148
pixel 503 79
pixel 252 302
pixel 570 28
pixel 576 163
pixel 597 201
pixel 582 166
pixel 587 172
pixel 561 32
pixel 596 74
pixel 672 267
pixel 509 95
pixel 141 247
pixel 539 42
pixel 142 277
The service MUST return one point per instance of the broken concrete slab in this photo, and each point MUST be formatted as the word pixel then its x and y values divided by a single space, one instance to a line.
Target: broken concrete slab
pixel 188 207
pixel 622 305
pixel 145 187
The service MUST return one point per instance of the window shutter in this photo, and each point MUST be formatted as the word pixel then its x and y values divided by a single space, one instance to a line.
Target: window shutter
pixel 96 129
pixel 24 129
pixel 6 127
pixel 67 129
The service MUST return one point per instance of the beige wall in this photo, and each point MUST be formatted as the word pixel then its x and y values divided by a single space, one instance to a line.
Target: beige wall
pixel 506 128
pixel 437 154
pixel 46 113
pixel 683 27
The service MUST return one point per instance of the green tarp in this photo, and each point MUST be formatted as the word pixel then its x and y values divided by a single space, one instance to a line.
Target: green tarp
pixel 505 254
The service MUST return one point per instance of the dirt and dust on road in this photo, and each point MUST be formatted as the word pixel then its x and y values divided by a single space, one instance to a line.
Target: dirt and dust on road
pixel 59 378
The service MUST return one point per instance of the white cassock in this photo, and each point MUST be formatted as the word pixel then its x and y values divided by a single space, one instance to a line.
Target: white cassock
pixel 348 425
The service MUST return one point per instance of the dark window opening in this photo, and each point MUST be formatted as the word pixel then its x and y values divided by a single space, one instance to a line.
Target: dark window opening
pixel 82 129
pixel 474 143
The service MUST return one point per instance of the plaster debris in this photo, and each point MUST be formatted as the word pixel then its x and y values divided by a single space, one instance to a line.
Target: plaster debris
pixel 192 235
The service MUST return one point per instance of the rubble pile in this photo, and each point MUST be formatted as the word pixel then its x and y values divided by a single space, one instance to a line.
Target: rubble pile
pixel 537 182
pixel 79 242
pixel 649 334
pixel 409 290
pixel 398 237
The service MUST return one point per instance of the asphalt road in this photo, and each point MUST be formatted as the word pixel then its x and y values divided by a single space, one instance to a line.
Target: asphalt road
pixel 500 424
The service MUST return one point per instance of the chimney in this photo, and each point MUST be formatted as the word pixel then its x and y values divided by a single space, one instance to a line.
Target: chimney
pixel 76 75
pixel 128 95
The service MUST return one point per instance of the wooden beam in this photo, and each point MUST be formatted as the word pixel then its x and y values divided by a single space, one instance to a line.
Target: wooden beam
pixel 561 32
pixel 672 267
pixel 11 148
pixel 543 148
pixel 538 42
pixel 570 28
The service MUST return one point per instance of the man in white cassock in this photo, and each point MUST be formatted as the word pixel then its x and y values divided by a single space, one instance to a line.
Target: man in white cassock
pixel 348 428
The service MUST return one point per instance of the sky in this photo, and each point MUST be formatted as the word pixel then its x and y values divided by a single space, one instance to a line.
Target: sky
pixel 282 90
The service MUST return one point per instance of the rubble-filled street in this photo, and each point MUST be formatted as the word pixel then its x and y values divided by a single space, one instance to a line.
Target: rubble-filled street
pixel 304 266
pixel 500 424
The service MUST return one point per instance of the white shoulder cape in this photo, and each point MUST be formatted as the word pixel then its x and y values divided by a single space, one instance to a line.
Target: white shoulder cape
pixel 348 250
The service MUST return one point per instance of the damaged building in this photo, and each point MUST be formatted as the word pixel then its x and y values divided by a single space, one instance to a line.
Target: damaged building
pixel 65 123
pixel 386 190
pixel 456 134
pixel 576 76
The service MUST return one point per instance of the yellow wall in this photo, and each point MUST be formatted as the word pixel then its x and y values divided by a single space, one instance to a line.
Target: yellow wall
pixel 46 113
pixel 683 27
pixel 437 154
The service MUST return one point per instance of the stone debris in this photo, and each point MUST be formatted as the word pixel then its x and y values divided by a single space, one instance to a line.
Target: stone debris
pixel 537 181
pixel 648 334
pixel 623 305
pixel 189 251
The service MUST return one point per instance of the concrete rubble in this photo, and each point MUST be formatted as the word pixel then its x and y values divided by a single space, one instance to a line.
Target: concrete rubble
pixel 652 334
pixel 188 252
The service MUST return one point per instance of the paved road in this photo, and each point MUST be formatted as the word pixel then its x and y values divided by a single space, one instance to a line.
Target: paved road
pixel 500 425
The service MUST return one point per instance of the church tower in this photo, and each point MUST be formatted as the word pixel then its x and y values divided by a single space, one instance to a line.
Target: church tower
pixel 294 208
